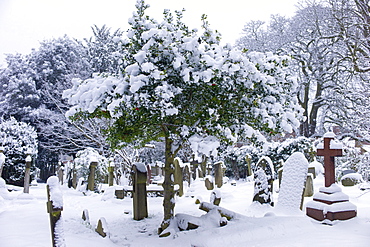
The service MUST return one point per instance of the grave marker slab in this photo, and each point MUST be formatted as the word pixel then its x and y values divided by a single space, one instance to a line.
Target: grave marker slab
pixel 178 176
pixel 293 183
pixel 218 174
pixel 140 204
pixel 91 179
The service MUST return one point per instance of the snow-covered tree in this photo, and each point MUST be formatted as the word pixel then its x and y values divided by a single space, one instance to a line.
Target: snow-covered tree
pixel 180 87
pixel 18 139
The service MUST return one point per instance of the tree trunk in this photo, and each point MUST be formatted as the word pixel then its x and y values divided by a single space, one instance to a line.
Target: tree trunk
pixel 168 187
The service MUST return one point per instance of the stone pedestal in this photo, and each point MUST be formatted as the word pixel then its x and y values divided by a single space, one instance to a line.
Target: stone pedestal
pixel 330 203
pixel 140 204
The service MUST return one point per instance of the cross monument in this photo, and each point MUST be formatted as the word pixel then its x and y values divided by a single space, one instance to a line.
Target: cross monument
pixel 330 150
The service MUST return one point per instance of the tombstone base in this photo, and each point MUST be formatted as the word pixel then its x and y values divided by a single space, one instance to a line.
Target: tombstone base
pixel 330 203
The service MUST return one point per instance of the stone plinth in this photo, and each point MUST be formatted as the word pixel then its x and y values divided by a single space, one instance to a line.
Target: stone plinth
pixel 330 203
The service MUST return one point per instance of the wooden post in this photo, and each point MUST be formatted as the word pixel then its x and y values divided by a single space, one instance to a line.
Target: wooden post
pixel 26 187
pixel 139 177
pixel 54 208
pixel 91 180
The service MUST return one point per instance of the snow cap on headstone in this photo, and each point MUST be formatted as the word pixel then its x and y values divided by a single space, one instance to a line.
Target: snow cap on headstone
pixel 56 195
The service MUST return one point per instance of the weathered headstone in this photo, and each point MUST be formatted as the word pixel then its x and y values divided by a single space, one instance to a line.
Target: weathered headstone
pixel 149 174
pixel 312 170
pixel 102 227
pixel 218 174
pixel 209 183
pixel 216 197
pixel 86 217
pixel 55 207
pixel 351 179
pixel 263 181
pixel 186 174
pixel 178 176
pixel 27 174
pixel 309 190
pixel 60 172
pixel 194 166
pixel 91 179
pixel 330 203
pixel 139 178
pixel 110 175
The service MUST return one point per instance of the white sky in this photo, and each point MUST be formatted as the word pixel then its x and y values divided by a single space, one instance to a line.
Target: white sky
pixel 23 23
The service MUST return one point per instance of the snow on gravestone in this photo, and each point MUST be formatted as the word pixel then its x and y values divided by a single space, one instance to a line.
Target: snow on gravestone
pixel 292 184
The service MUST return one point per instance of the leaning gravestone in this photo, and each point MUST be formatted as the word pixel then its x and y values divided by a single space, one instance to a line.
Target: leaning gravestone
pixel 139 177
pixel 218 174
pixel 209 183
pixel 293 183
pixel 55 207
pixel 178 176
pixel 263 180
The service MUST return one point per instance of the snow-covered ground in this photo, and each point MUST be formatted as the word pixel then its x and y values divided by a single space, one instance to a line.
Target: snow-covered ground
pixel 25 222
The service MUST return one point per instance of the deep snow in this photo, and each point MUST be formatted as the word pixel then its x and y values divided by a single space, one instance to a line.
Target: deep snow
pixel 24 220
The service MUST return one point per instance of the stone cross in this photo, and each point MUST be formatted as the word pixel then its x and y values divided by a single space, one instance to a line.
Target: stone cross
pixel 26 187
pixel 139 177
pixel 329 152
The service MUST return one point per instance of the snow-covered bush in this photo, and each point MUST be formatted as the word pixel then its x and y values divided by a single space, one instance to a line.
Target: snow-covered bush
pixel 82 164
pixel 236 162
pixel 17 138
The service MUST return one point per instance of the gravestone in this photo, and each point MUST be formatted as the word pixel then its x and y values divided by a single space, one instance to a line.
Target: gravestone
pixel 139 177
pixel 54 208
pixel 27 174
pixel 110 175
pixel 209 183
pixel 218 174
pixel 91 179
pixel 215 197
pixel 85 217
pixel 309 190
pixel 203 166
pixel 248 159
pixel 312 170
pixel 178 176
pixel 102 227
pixel 194 167
pixel 60 172
pixel 330 203
pixel 293 183
pixel 2 160
pixel 263 181
pixel 186 174
pixel 351 179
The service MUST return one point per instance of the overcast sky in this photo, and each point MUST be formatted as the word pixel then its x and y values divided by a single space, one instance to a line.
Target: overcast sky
pixel 23 23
